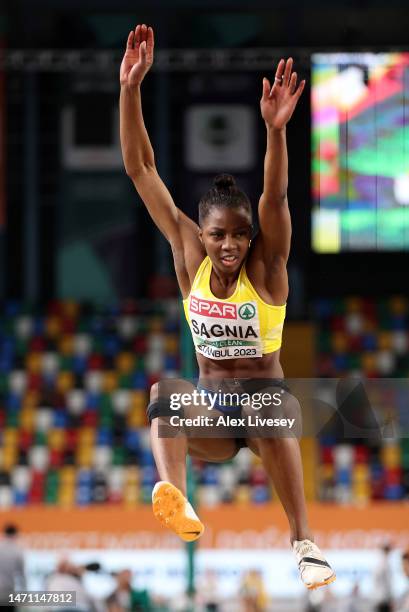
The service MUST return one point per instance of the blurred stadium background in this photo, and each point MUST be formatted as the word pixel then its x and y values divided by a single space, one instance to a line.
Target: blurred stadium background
pixel 90 310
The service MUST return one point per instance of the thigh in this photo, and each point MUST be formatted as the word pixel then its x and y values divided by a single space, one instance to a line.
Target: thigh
pixel 204 441
pixel 252 444
pixel 273 412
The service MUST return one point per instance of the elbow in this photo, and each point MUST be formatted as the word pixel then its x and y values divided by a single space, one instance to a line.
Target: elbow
pixel 281 198
pixel 136 171
pixel 276 199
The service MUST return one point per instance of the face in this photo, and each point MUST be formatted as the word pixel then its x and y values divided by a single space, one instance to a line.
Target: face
pixel 226 236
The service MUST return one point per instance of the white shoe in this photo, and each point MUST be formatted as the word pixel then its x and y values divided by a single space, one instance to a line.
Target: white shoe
pixel 173 510
pixel 315 571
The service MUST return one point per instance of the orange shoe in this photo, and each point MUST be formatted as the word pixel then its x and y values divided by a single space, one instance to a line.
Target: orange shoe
pixel 173 510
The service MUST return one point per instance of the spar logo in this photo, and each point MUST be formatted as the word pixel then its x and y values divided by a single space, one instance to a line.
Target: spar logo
pixel 209 308
pixel 247 311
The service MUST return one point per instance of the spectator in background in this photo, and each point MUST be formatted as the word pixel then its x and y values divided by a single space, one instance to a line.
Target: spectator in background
pixel 68 577
pixel 11 566
pixel 253 592
pixel 126 599
pixel 383 582
pixel 208 597
pixel 403 603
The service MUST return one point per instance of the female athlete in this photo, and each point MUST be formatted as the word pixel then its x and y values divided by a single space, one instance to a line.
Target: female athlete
pixel 234 292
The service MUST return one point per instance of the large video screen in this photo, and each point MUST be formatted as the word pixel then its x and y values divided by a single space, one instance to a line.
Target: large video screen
pixel 360 152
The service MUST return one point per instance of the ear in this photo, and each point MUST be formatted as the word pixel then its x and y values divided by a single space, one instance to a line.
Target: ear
pixel 201 235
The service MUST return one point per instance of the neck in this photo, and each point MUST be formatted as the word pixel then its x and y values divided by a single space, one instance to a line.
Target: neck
pixel 225 279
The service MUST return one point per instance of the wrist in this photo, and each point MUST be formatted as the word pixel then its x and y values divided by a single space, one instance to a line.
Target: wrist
pixel 275 130
pixel 126 87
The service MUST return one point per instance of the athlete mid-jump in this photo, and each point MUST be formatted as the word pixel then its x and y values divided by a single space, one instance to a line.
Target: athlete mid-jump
pixel 234 292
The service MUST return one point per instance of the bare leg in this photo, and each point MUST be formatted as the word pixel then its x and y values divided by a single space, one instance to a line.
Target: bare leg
pixel 281 458
pixel 170 457
pixel 170 452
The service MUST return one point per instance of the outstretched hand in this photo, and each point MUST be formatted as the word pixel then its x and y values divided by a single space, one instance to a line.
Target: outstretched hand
pixel 138 56
pixel 278 102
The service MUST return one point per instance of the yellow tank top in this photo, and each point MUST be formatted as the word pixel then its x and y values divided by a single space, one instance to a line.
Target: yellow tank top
pixel 240 326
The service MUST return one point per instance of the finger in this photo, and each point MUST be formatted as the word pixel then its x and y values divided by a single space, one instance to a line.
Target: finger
pixel 293 82
pixel 150 45
pixel 300 89
pixel 280 70
pixel 151 38
pixel 142 49
pixel 144 31
pixel 287 71
pixel 129 42
pixel 266 88
pixel 137 36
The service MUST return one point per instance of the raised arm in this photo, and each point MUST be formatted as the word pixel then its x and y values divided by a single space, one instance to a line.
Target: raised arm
pixel 137 150
pixel 277 106
pixel 139 159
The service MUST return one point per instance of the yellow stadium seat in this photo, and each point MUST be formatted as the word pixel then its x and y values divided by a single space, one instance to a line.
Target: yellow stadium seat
pixel 66 345
pixel 310 489
pixel 56 439
pixel 353 304
pixel 136 418
pixel 86 437
pixel 309 453
pixel 109 382
pixel 34 362
pixel 242 495
pixel 65 382
pixel 10 437
pixel 70 309
pixel 9 457
pixel 171 344
pixel 361 474
pixel 326 472
pixel 27 418
pixel 125 362
pixel 83 457
pixel 385 340
pixel 131 495
pixel 139 398
pixel 132 476
pixel 391 456
pixel 31 400
pixel 53 326
pixel 361 492
pixel 339 342
pixel 369 362
pixel 398 305
pixel 155 324
pixel 66 497
pixel 68 475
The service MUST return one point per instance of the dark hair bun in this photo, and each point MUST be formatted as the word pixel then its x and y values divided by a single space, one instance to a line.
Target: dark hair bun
pixel 224 181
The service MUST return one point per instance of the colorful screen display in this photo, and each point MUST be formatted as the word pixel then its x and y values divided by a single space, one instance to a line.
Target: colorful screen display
pixel 360 152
